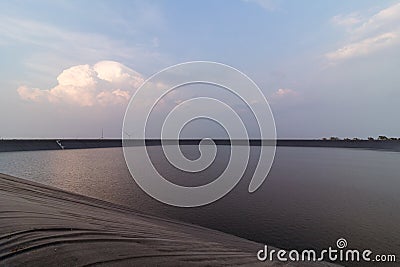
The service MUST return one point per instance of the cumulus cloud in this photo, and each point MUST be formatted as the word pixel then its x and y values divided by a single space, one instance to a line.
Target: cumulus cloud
pixel 105 83
pixel 368 35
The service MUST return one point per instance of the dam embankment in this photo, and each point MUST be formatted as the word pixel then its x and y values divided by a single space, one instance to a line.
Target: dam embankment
pixel 60 144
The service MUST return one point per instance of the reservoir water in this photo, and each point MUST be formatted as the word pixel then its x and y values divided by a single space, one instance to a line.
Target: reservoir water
pixel 311 198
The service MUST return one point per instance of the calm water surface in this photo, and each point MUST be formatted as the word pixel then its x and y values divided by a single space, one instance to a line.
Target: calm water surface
pixel 312 196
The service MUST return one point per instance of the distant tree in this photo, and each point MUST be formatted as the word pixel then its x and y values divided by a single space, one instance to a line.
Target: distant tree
pixel 371 139
pixel 356 139
pixel 394 138
pixel 324 138
pixel 334 138
pixel 382 137
pixel 347 139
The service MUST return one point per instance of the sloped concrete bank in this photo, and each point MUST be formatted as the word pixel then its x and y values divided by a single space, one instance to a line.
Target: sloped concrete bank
pixel 45 226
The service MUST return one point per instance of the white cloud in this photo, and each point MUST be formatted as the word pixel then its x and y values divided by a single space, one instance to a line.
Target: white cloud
pixel 365 46
pixel 105 83
pixel 387 19
pixel 368 35
pixel 284 92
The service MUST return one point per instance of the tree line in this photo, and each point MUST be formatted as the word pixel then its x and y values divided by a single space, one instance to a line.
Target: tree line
pixel 380 138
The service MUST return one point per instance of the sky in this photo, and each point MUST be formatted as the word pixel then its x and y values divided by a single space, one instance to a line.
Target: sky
pixel 327 68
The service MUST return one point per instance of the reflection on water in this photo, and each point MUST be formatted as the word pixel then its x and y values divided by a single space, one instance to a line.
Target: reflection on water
pixel 312 196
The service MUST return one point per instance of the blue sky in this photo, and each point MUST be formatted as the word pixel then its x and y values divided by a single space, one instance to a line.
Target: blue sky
pixel 326 67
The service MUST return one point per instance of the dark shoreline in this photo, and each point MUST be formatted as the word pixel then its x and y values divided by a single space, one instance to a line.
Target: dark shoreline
pixel 60 144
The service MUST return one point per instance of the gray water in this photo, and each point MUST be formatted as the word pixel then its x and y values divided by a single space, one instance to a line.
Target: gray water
pixel 312 196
